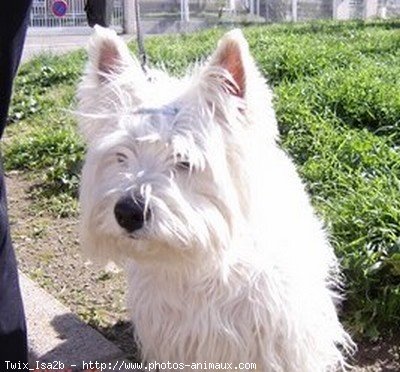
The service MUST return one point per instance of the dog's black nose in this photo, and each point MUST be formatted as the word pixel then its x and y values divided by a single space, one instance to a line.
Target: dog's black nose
pixel 130 213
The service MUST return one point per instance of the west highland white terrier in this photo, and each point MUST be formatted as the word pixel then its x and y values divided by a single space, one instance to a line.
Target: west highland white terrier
pixel 185 186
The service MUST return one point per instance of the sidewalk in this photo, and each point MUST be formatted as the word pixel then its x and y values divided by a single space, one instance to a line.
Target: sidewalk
pixel 56 44
pixel 58 337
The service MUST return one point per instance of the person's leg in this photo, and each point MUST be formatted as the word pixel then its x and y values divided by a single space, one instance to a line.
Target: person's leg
pixel 13 344
pixel 14 16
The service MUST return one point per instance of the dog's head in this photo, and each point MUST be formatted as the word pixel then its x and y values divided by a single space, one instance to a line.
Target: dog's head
pixel 166 167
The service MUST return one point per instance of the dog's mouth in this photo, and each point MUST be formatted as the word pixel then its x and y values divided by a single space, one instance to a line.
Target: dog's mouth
pixel 140 234
pixel 133 236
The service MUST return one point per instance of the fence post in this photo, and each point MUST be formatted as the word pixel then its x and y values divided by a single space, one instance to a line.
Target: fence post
pixel 370 8
pixel 251 7
pixel 341 9
pixel 294 10
pixel 185 10
pixel 129 17
pixel 232 6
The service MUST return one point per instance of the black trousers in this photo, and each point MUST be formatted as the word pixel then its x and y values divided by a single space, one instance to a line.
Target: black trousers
pixel 14 16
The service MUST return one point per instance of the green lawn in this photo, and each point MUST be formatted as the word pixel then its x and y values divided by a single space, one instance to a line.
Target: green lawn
pixel 337 97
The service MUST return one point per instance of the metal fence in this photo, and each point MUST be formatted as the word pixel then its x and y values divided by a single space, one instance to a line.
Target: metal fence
pixel 161 16
pixel 42 14
pixel 268 10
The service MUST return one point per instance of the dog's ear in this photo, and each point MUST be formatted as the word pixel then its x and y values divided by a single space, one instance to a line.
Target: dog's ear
pixel 109 56
pixel 233 57
pixel 112 82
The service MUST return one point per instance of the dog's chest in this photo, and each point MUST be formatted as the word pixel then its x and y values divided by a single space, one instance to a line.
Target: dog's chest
pixel 203 319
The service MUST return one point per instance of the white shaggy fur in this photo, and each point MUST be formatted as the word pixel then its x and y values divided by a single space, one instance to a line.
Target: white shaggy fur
pixel 232 266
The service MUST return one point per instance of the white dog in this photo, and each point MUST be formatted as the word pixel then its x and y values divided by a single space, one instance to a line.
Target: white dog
pixel 185 186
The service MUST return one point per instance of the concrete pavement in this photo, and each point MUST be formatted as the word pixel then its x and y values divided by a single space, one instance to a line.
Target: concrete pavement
pixel 56 43
pixel 59 338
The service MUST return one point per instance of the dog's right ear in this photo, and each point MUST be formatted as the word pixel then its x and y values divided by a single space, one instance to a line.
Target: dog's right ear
pixel 112 83
pixel 109 56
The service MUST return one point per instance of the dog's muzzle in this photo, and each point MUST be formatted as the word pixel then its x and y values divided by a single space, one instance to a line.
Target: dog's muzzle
pixel 131 213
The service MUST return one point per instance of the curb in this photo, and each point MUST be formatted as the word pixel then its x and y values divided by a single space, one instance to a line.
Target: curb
pixel 58 338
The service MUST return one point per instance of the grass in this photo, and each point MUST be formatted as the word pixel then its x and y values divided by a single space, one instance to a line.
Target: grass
pixel 45 143
pixel 337 99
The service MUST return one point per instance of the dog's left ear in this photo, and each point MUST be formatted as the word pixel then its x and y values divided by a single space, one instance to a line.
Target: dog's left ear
pixel 232 56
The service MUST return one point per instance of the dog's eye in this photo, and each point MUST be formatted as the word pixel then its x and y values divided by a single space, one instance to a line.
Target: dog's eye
pixel 121 158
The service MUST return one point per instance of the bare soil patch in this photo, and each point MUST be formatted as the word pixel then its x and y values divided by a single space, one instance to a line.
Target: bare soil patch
pixel 48 252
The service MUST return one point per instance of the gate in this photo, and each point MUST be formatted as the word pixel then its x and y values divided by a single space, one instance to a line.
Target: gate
pixel 42 15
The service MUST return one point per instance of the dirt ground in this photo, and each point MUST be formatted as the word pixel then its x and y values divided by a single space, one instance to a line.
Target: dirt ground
pixel 48 252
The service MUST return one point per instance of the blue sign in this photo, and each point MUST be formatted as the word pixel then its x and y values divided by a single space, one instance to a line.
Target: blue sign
pixel 59 8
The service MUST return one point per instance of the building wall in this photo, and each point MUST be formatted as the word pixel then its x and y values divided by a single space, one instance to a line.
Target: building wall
pixel 314 9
